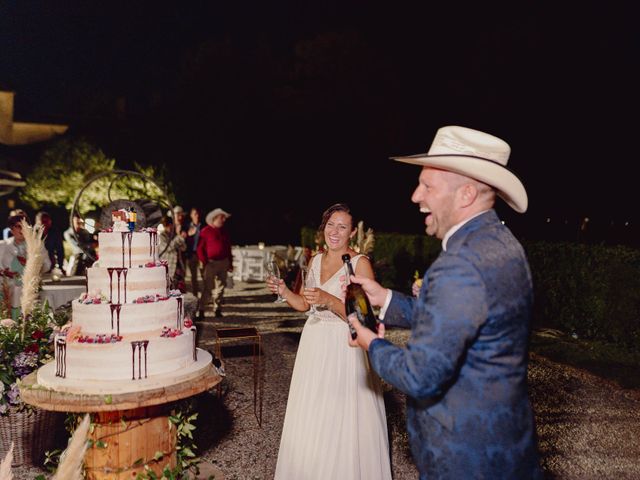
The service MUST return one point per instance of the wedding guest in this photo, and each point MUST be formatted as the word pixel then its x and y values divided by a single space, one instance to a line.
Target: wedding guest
pixel 335 424
pixel 180 220
pixel 191 254
pixel 83 246
pixel 214 254
pixel 170 246
pixel 52 238
pixel 6 231
pixel 464 368
pixel 13 259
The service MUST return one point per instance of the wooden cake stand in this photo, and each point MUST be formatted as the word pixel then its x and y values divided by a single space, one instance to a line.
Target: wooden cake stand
pixel 130 428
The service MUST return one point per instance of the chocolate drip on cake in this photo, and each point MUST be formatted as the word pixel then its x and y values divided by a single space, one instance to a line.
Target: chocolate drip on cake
pixel 195 350
pixel 124 274
pixel 61 357
pixel 133 360
pixel 180 313
pixel 145 343
pixel 139 345
pixel 166 274
pixel 153 242
pixel 128 236
pixel 86 281
pixel 119 271
pixel 116 307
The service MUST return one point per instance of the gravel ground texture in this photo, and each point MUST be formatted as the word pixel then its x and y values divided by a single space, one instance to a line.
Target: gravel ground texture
pixel 588 428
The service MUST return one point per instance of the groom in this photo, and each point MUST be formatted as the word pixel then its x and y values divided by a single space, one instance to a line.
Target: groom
pixel 464 368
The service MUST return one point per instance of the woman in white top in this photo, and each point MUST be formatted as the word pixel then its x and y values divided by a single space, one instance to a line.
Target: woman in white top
pixel 13 259
pixel 335 425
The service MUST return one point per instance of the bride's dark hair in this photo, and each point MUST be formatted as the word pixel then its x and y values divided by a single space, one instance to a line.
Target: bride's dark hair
pixel 337 207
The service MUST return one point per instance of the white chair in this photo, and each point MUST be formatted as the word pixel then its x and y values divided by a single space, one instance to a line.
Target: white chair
pixel 253 261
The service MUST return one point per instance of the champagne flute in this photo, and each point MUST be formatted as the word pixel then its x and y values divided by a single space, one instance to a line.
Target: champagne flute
pixel 274 271
pixel 313 282
pixel 309 281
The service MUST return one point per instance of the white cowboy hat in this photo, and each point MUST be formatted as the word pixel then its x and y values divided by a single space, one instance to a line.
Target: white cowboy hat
pixel 214 213
pixel 477 155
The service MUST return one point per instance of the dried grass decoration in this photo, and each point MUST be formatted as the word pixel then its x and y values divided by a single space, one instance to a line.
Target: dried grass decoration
pixel 365 241
pixel 71 460
pixel 32 269
pixel 5 466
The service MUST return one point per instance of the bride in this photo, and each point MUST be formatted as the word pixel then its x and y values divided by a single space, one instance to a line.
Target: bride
pixel 335 425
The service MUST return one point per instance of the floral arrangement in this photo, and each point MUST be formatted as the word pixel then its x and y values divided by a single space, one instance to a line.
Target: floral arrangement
pixel 24 347
pixel 25 343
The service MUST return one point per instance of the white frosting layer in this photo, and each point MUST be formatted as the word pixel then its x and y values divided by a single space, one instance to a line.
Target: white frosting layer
pixel 119 361
pixel 132 318
pixel 138 283
pixel 47 378
pixel 116 251
pixel 123 363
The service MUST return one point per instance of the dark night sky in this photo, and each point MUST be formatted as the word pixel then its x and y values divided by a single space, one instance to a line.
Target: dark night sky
pixel 338 87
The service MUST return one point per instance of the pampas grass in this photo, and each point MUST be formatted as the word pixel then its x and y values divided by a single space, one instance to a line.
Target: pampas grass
pixel 364 241
pixel 70 467
pixel 369 242
pixel 33 268
pixel 5 466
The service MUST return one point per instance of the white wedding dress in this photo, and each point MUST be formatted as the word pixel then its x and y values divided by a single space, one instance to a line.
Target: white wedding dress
pixel 335 426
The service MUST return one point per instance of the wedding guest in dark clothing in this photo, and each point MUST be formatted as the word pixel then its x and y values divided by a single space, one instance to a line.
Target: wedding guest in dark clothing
pixel 83 246
pixel 171 246
pixel 191 255
pixel 214 252
pixel 52 238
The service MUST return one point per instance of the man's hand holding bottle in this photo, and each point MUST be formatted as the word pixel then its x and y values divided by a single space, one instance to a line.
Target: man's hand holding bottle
pixel 377 296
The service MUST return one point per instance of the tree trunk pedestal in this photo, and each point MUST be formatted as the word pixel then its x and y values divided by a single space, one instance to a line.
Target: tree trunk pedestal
pixel 130 430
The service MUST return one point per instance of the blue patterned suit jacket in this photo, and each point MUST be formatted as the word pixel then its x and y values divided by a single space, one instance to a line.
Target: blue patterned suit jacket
pixel 464 368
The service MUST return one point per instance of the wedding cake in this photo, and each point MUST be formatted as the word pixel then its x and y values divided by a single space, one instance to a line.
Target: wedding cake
pixel 128 330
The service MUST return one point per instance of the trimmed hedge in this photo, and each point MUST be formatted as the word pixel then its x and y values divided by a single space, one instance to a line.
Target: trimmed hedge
pixel 590 290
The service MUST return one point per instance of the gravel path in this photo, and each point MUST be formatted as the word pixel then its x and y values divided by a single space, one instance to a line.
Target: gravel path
pixel 588 428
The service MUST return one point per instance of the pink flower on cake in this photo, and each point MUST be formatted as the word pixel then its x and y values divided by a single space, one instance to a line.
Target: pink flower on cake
pixel 73 332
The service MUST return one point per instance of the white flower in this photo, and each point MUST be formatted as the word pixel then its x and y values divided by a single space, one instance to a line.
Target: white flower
pixel 7 322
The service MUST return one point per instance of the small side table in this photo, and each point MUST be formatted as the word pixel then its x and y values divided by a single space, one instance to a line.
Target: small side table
pixel 245 333
pixel 133 425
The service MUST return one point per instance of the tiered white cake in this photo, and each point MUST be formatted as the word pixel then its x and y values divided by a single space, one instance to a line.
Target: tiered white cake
pixel 128 330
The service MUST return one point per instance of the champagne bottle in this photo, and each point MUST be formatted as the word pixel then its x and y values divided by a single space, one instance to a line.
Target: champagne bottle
pixel 356 301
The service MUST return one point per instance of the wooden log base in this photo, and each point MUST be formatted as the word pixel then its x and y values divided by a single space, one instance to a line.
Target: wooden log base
pixel 130 428
pixel 127 442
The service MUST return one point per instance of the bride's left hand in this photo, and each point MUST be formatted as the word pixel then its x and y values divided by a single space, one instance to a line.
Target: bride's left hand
pixel 315 296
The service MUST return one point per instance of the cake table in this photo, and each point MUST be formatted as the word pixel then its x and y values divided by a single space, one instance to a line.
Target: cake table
pixel 130 426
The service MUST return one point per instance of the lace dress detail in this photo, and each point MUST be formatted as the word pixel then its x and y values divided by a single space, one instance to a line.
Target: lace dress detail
pixel 335 426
